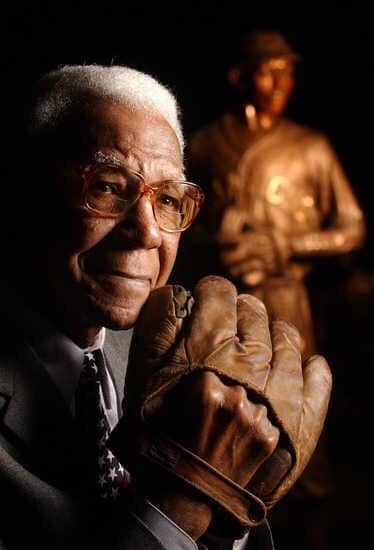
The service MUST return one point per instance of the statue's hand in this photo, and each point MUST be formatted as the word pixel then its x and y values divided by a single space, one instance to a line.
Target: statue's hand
pixel 249 253
pixel 252 255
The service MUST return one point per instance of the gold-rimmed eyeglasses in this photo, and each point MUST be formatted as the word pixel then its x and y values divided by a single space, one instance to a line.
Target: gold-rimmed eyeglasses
pixel 111 189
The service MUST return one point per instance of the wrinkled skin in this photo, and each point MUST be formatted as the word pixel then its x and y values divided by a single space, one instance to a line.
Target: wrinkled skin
pixel 216 360
pixel 102 268
pixel 230 432
pixel 221 425
pixel 99 271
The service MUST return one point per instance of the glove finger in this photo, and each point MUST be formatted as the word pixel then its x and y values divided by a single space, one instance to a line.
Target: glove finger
pixel 284 387
pixel 317 391
pixel 159 322
pixel 254 335
pixel 156 331
pixel 213 317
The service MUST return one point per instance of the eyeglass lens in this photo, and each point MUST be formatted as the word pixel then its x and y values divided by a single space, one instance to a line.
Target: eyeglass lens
pixel 113 192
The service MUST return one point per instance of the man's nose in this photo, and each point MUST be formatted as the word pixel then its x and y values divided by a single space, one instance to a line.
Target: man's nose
pixel 140 226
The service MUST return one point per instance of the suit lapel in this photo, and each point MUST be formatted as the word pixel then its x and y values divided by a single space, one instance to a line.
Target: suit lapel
pixel 32 407
pixel 36 421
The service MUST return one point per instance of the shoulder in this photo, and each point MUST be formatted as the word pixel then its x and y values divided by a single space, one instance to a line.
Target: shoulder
pixel 314 136
pixel 313 142
pixel 301 131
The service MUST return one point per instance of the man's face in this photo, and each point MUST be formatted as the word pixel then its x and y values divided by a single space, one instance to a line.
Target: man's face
pixel 273 83
pixel 103 268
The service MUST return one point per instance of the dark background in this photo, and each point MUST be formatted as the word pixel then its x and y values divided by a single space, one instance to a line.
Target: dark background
pixel 189 47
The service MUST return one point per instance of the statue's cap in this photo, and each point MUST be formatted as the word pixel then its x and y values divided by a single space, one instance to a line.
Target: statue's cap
pixel 259 46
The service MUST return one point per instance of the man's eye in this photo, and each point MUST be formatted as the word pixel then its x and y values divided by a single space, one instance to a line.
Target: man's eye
pixel 107 188
pixel 104 187
pixel 170 202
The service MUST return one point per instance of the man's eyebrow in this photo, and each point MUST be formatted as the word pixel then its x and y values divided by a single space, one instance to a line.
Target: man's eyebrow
pixel 107 158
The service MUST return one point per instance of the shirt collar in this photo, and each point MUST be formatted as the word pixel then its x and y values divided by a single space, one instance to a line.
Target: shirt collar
pixel 98 343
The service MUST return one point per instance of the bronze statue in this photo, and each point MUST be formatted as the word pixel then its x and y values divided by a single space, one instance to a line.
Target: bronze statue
pixel 277 195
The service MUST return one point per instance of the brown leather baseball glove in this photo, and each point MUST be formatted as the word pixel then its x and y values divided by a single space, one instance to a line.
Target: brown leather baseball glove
pixel 228 335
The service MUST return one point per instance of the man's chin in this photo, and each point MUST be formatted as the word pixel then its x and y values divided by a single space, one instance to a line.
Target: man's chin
pixel 117 313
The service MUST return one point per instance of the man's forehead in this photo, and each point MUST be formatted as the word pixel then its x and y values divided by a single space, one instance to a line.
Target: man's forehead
pixel 130 129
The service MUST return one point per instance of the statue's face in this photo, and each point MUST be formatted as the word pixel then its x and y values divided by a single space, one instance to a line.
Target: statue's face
pixel 273 82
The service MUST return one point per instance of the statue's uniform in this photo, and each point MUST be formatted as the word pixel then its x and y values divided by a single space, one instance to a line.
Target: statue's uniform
pixel 287 182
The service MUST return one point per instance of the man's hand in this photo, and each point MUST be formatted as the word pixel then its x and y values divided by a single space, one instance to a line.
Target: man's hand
pixel 208 414
pixel 207 380
pixel 224 428
pixel 220 424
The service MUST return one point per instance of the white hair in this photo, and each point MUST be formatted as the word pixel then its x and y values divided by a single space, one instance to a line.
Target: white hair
pixel 64 88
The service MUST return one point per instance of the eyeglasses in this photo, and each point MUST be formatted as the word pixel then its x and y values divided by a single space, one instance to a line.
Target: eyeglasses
pixel 111 190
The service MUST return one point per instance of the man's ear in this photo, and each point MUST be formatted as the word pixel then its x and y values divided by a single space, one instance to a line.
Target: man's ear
pixel 233 76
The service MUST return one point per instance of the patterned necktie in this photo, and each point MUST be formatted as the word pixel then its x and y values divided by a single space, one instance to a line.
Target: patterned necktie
pixel 106 474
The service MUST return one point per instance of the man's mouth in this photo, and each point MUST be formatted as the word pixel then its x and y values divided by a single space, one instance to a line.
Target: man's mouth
pixel 125 274
pixel 122 276
pixel 95 271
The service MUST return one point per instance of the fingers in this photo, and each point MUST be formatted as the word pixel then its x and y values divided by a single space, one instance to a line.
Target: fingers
pixel 191 409
pixel 246 437
pixel 254 335
pixel 213 317
pixel 231 433
pixel 284 388
pixel 317 390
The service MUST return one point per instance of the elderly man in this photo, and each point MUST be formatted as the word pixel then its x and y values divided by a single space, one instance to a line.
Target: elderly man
pixel 100 207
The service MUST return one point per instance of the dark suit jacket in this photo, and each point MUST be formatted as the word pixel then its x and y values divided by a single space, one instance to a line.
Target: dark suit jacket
pixel 42 493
